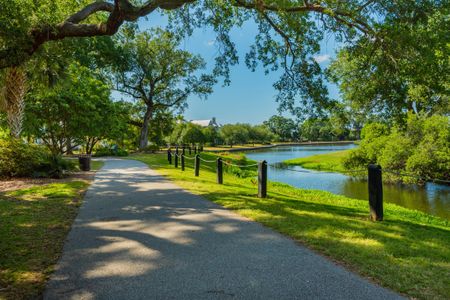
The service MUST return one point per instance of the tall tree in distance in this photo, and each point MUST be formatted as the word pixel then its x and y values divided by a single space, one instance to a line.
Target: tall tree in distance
pixel 153 71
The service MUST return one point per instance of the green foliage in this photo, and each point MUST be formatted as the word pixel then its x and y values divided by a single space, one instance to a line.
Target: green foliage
pixel 152 148
pixel 186 133
pixel 54 166
pixel 407 70
pixel 110 151
pixel 235 133
pixel 152 70
pixel 282 127
pixel 416 153
pixel 76 111
pixel 19 159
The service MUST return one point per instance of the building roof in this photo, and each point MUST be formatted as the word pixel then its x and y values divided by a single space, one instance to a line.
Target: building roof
pixel 205 123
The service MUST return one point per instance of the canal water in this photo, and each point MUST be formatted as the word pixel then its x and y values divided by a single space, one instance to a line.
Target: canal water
pixel 431 198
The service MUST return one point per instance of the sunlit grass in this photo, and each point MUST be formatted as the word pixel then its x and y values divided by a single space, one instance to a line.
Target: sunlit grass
pixel 33 225
pixel 409 252
pixel 324 162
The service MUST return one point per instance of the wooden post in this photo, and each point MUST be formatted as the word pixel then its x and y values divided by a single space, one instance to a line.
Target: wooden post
pixel 375 193
pixel 169 156
pixel 182 162
pixel 262 179
pixel 219 171
pixel 197 165
pixel 200 148
pixel 190 150
pixel 195 149
pixel 176 150
pixel 183 150
pixel 176 160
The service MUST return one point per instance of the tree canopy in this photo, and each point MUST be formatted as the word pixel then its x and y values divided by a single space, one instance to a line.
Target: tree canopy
pixel 154 72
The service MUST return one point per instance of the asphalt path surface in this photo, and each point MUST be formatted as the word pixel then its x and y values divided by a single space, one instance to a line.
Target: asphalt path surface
pixel 139 236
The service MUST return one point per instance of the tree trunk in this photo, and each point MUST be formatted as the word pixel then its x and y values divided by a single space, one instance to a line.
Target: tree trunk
pixel 143 139
pixel 13 99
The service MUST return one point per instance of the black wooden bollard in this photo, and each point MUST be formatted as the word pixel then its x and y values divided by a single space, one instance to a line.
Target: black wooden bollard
pixel 190 150
pixel 176 160
pixel 197 165
pixel 262 179
pixel 195 149
pixel 183 150
pixel 182 162
pixel 219 171
pixel 176 150
pixel 375 193
pixel 169 156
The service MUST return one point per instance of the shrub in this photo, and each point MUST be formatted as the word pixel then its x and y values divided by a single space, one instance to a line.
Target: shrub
pixel 110 151
pixel 415 154
pixel 19 159
pixel 151 148
pixel 54 166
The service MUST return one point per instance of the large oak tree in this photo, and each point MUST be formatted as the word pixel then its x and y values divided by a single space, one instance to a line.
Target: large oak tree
pixel 158 75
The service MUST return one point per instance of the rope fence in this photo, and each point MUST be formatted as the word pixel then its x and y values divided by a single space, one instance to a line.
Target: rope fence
pixel 374 178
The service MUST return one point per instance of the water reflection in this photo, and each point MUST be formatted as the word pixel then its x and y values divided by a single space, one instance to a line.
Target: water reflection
pixel 432 198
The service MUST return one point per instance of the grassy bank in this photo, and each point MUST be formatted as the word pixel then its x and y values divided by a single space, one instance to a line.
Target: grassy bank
pixel 33 225
pixel 323 162
pixel 408 252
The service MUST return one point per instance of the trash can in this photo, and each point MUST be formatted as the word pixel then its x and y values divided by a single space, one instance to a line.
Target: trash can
pixel 85 162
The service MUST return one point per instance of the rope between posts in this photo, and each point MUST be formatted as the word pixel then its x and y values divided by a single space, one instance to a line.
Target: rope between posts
pixel 206 161
pixel 239 166
pixel 187 157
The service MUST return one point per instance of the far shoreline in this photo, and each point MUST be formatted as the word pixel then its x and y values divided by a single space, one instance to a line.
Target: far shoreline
pixel 237 148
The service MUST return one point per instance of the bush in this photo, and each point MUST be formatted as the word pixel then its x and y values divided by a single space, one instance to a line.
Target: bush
pixel 55 167
pixel 416 153
pixel 19 159
pixel 110 151
pixel 151 148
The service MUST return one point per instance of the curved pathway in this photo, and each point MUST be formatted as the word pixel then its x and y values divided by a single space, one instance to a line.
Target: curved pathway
pixel 139 236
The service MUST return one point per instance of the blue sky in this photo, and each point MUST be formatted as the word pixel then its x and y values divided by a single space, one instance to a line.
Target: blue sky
pixel 251 97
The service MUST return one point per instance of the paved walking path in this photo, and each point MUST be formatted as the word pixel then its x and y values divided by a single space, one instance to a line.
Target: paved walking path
pixel 139 236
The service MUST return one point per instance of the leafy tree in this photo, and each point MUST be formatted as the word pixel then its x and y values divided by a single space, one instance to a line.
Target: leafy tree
pixel 76 111
pixel 234 134
pixel 283 127
pixel 260 134
pixel 288 35
pixel 211 134
pixel 186 133
pixel 158 75
pixel 408 71
pixel 192 134
pixel 161 126
pixel 415 153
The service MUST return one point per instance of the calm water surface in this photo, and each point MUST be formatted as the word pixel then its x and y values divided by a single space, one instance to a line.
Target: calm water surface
pixel 432 198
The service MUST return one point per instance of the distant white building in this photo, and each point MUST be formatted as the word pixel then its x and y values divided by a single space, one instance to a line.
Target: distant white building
pixel 205 123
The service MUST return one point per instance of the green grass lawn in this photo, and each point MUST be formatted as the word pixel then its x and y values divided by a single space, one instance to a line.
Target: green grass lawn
pixel 409 252
pixel 33 225
pixel 323 162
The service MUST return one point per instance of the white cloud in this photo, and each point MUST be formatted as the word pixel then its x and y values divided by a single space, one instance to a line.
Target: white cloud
pixel 210 43
pixel 322 58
